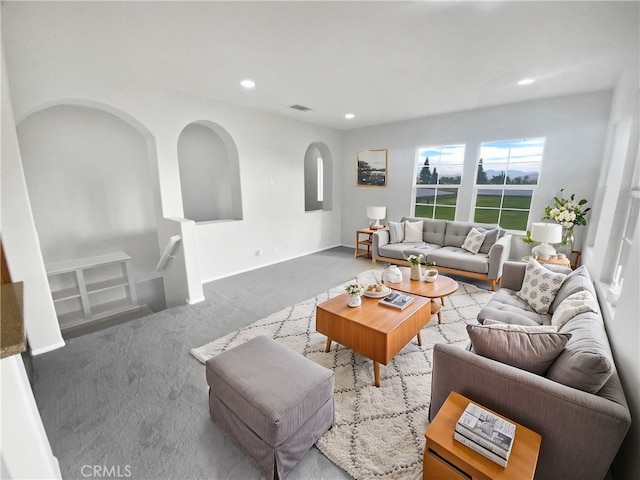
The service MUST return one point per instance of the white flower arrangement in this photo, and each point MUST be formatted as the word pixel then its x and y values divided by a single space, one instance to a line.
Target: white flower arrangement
pixel 415 259
pixel 355 289
pixel 567 212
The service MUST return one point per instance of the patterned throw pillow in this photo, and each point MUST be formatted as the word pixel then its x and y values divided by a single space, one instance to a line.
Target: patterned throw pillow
pixel 474 240
pixel 540 286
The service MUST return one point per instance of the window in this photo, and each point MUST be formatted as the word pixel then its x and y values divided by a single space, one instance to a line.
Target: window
pixel 507 176
pixel 624 248
pixel 438 177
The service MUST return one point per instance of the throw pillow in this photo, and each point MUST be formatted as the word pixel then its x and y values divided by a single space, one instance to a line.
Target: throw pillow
pixel 528 348
pixel 413 232
pixel 396 232
pixel 540 286
pixel 520 326
pixel 574 304
pixel 491 236
pixel 474 240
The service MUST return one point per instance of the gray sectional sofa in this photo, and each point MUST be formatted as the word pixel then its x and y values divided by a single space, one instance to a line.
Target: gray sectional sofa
pixel 576 402
pixel 442 242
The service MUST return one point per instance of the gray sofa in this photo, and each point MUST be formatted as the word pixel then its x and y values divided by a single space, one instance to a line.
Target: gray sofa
pixel 578 406
pixel 442 242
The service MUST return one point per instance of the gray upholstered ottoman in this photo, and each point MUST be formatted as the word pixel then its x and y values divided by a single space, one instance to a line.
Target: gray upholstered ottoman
pixel 273 402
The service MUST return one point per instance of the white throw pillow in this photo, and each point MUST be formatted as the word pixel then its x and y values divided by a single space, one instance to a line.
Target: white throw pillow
pixel 474 240
pixel 540 286
pixel 574 304
pixel 396 232
pixel 413 232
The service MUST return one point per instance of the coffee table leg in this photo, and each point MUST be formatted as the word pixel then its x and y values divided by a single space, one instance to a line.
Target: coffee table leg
pixel 419 337
pixel 328 347
pixel 442 301
pixel 376 373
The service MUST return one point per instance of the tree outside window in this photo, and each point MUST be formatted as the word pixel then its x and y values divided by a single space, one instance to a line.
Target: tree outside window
pixel 438 177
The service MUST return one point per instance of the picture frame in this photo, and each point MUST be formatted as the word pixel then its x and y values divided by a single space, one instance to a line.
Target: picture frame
pixel 371 167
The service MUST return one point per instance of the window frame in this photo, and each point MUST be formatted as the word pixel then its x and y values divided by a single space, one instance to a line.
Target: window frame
pixel 504 187
pixel 418 166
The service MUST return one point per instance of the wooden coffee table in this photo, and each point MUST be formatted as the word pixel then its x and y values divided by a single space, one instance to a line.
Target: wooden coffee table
pixel 441 288
pixel 375 331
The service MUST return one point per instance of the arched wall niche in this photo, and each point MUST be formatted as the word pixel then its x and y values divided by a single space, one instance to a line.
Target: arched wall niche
pixel 209 173
pixel 318 178
pixel 92 179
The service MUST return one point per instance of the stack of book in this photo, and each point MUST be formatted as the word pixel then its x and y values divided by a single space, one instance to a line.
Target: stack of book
pixel 485 433
pixel 396 300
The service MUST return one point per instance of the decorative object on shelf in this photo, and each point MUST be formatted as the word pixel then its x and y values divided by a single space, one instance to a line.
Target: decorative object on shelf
pixel 371 168
pixel 568 213
pixel 392 274
pixel 355 291
pixel 546 233
pixel 377 214
pixel 415 260
pixel 430 273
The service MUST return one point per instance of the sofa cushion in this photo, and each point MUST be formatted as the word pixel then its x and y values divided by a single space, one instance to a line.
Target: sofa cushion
pixel 396 232
pixel 507 307
pixel 533 328
pixel 452 257
pixel 577 281
pixel 456 233
pixel 533 349
pixel 474 240
pixel 586 363
pixel 574 304
pixel 540 286
pixel 434 230
pixel 413 232
pixel 397 250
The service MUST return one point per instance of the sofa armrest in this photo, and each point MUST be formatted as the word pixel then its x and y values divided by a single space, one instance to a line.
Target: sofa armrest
pixel 513 275
pixel 498 254
pixel 380 238
pixel 581 432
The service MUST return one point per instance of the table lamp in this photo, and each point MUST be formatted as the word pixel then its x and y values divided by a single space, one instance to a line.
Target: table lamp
pixel 377 214
pixel 545 233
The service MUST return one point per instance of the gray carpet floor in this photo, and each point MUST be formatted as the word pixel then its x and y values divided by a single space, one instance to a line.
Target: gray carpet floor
pixel 131 400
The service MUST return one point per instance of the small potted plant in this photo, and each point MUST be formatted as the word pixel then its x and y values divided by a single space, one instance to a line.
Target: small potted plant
pixel 415 260
pixel 430 273
pixel 355 291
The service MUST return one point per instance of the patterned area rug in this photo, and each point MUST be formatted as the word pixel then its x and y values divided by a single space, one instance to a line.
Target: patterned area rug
pixel 378 432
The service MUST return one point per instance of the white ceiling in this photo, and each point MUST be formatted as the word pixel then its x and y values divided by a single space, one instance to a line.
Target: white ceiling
pixel 383 61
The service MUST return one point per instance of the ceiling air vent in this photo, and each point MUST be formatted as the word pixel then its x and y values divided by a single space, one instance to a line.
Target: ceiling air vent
pixel 301 108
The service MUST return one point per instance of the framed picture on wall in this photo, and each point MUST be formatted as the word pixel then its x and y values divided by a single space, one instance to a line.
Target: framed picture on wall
pixel 371 168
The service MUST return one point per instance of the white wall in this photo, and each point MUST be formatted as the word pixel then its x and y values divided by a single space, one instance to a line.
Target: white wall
pixel 574 126
pixel 620 173
pixel 205 175
pixel 20 238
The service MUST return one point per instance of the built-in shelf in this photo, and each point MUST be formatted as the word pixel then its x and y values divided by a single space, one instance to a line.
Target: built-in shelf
pixel 92 288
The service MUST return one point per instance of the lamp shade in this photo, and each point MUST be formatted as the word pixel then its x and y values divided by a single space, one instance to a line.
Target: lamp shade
pixel 546 232
pixel 376 213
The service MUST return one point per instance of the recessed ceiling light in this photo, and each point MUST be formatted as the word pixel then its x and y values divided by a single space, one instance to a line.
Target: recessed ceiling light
pixel 526 81
pixel 248 84
pixel 349 116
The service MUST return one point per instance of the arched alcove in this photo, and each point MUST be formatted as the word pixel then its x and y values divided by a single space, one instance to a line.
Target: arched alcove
pixel 209 173
pixel 92 187
pixel 318 175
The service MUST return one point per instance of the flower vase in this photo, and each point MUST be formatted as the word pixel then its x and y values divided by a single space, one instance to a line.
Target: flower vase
pixel 415 272
pixel 354 301
pixel 568 241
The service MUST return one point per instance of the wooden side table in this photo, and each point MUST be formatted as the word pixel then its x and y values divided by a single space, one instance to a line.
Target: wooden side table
pixel 446 458
pixel 565 262
pixel 367 242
